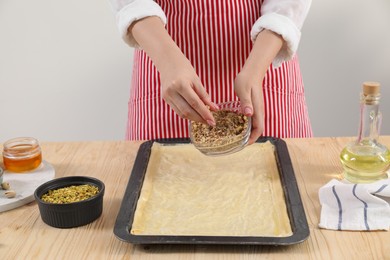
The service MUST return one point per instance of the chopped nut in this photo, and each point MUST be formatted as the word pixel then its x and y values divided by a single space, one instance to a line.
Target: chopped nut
pixel 230 127
pixel 70 194
pixel 10 194
pixel 5 186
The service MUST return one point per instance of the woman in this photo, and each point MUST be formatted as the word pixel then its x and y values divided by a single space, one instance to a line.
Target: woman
pixel 192 54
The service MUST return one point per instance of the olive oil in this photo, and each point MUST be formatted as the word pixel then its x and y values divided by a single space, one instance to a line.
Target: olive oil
pixel 365 163
pixel 366 160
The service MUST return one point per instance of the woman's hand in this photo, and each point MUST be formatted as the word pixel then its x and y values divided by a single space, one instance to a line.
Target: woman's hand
pixel 184 92
pixel 249 82
pixel 181 86
pixel 248 87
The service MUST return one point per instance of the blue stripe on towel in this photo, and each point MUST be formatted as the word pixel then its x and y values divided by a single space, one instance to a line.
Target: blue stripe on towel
pixel 340 208
pixel 365 206
pixel 381 188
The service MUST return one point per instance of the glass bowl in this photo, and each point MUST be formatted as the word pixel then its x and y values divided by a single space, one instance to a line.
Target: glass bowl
pixel 230 134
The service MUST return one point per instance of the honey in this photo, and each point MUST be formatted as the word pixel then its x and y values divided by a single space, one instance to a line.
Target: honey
pixel 22 154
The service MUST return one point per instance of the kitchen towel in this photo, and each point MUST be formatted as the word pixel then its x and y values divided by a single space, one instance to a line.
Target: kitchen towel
pixel 346 206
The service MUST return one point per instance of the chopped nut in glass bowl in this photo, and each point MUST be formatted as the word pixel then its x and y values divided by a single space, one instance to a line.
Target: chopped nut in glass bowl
pixel 229 135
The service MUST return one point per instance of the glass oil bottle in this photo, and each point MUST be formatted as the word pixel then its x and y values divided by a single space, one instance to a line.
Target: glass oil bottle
pixel 366 160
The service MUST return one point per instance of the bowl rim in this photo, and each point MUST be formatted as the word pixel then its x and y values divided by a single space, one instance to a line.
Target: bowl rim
pixel 61 182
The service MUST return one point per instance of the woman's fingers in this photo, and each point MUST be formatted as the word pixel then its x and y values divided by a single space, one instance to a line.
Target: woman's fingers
pixel 249 91
pixel 244 93
pixel 204 96
pixel 183 109
pixel 184 99
pixel 257 117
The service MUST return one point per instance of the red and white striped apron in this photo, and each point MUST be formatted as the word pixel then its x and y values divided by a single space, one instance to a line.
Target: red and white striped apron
pixel 215 37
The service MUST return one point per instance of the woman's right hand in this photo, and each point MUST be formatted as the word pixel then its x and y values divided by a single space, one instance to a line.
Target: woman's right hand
pixel 184 92
pixel 181 86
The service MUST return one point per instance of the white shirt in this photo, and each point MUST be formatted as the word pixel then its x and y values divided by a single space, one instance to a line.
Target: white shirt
pixel 284 17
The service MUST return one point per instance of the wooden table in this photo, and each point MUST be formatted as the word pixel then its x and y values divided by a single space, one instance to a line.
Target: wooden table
pixel 23 235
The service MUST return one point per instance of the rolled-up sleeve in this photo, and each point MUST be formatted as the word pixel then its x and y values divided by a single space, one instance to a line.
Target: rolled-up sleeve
pixel 129 11
pixel 284 17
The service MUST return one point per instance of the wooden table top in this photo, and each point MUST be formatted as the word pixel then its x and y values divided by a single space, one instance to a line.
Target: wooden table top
pixel 23 235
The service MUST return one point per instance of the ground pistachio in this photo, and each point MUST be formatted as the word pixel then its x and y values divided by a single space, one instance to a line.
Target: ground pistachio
pixel 70 194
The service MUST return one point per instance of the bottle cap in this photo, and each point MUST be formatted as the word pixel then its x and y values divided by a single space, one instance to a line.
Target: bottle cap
pixel 371 88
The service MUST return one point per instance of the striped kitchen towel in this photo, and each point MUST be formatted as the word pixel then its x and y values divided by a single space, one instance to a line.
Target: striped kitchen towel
pixel 346 206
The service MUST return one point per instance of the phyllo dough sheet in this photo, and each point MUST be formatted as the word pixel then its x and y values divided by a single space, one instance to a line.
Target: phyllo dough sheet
pixel 186 193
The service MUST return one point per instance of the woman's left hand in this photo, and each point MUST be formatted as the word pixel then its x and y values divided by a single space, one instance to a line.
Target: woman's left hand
pixel 249 82
pixel 248 87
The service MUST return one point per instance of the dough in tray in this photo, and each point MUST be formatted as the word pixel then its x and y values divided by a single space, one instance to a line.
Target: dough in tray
pixel 186 193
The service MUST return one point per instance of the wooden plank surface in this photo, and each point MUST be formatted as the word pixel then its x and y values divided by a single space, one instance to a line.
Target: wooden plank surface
pixel 23 235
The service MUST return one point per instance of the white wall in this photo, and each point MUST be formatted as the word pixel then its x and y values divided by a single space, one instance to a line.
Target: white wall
pixel 65 72
pixel 343 44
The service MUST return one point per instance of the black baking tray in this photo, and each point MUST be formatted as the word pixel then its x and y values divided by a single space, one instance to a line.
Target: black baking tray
pixel 294 205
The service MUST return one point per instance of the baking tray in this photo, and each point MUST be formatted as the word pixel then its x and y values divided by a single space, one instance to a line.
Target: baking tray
pixel 294 205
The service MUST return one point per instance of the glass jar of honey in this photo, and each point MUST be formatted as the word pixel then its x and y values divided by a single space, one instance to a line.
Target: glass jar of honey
pixel 22 154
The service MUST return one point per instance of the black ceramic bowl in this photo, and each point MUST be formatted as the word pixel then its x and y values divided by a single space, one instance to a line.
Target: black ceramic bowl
pixel 72 214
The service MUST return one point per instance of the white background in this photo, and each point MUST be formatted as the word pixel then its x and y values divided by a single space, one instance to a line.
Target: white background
pixel 65 72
